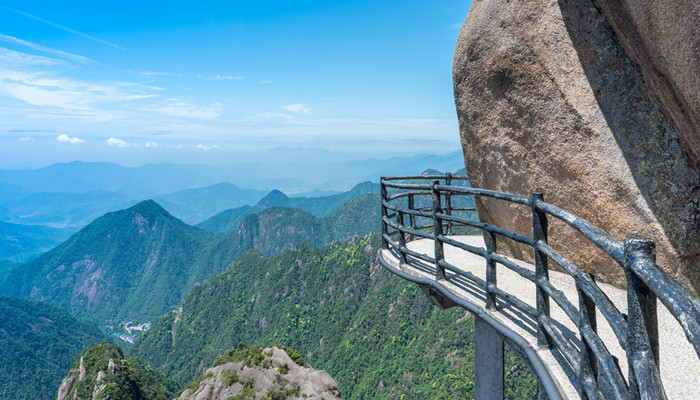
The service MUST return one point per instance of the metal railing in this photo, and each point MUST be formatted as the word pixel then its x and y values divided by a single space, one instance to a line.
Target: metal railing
pixel 636 331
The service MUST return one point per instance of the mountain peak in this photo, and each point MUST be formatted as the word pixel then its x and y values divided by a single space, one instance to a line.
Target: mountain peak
pixel 274 198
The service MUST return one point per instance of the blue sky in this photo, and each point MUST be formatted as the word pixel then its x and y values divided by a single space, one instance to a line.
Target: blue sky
pixel 218 82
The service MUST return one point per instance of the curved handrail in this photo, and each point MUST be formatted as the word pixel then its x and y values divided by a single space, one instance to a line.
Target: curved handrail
pixel 636 332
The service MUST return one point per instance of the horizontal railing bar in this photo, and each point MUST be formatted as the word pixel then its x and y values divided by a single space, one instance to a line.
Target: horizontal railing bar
pixel 615 318
pixel 422 177
pixel 488 227
pixel 561 300
pixel 684 308
pixel 408 251
pixel 472 249
pixel 569 353
pixel 484 192
pixel 407 230
pixel 406 194
pixel 417 186
pixel 406 210
pixel 600 238
pixel 524 272
pixel 506 297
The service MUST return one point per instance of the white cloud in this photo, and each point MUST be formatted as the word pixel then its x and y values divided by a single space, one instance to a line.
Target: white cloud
pixel 265 82
pixel 58 53
pixel 221 77
pixel 69 139
pixel 41 90
pixel 26 139
pixel 116 142
pixel 298 108
pixel 203 147
pixel 151 144
pixel 179 108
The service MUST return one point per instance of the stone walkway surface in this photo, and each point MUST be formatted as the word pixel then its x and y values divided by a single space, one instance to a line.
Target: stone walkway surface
pixel 679 364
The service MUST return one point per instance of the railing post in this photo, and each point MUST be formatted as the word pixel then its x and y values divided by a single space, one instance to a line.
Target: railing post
pixel 643 331
pixel 490 272
pixel 437 227
pixel 539 234
pixel 385 226
pixel 588 368
pixel 448 201
pixel 402 236
pixel 411 217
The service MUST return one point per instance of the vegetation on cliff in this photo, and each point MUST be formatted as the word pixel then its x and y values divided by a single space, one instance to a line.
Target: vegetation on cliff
pixel 377 335
pixel 37 344
pixel 101 372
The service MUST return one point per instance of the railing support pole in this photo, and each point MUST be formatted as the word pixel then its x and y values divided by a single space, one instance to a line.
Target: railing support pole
pixel 411 217
pixel 490 272
pixel 385 226
pixel 643 331
pixel 437 227
pixel 589 363
pixel 448 201
pixel 539 234
pixel 488 361
pixel 402 237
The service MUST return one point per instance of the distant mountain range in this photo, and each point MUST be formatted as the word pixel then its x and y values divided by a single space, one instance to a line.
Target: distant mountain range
pixel 228 220
pixel 74 194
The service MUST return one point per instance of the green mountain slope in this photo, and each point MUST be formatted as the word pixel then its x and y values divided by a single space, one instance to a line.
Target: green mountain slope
pixel 227 221
pixel 101 372
pixel 278 229
pixel 376 334
pixel 130 265
pixel 20 243
pixel 37 344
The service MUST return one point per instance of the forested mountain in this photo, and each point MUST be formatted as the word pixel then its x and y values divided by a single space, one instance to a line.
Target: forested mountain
pixel 37 344
pixel 227 221
pixel 376 334
pixel 132 264
pixel 102 372
pixel 20 243
pixel 136 264
pixel 277 229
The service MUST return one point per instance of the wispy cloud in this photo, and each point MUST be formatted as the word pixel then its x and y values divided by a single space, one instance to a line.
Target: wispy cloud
pixel 180 108
pixel 298 108
pixel 26 139
pixel 151 144
pixel 64 28
pixel 69 139
pixel 265 82
pixel 49 50
pixel 203 147
pixel 221 78
pixel 116 142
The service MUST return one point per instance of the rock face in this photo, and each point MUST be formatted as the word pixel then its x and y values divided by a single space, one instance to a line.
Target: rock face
pixel 273 376
pixel 102 373
pixel 596 106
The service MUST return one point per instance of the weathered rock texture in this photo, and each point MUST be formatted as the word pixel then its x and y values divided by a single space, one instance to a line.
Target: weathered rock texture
pixel 551 99
pixel 279 377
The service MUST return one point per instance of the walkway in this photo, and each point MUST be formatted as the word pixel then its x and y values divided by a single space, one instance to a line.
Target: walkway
pixel 679 364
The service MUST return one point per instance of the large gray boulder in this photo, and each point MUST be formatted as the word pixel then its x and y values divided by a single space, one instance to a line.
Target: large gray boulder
pixel 549 99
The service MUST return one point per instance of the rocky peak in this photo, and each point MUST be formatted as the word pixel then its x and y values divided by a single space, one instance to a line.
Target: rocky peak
pixel 257 372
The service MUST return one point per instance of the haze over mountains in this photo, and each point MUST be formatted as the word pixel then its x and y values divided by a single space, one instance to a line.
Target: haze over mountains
pixel 137 264
pixel 73 194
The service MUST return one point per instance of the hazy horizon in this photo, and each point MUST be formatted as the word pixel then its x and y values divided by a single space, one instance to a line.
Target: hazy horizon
pixel 135 83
